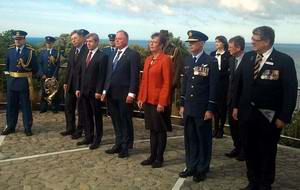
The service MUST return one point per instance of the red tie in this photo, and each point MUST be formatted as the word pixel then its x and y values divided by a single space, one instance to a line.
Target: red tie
pixel 88 58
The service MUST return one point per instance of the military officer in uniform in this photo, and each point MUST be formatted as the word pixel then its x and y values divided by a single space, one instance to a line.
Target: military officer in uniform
pixel 49 66
pixel 109 50
pixel 198 97
pixel 20 65
pixel 266 98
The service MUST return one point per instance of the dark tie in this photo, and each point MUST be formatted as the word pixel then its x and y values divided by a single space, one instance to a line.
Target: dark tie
pixel 257 65
pixel 88 58
pixel 49 53
pixel 195 59
pixel 115 61
pixel 18 52
pixel 76 54
pixel 235 63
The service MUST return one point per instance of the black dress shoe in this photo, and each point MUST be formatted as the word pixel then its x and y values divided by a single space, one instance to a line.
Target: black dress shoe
pixel 186 173
pixel 113 150
pixel 199 177
pixel 28 133
pixel 76 135
pixel 123 154
pixel 251 186
pixel 220 134
pixel 43 111
pixel 232 154
pixel 147 162
pixel 8 131
pixel 65 133
pixel 265 187
pixel 84 142
pixel 94 146
pixel 54 111
pixel 157 164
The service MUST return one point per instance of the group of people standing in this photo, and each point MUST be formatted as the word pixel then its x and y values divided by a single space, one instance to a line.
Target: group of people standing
pixel 259 88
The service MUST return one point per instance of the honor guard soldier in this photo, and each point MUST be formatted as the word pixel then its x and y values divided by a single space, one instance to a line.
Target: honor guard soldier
pixel 109 50
pixel 49 66
pixel 20 65
pixel 198 97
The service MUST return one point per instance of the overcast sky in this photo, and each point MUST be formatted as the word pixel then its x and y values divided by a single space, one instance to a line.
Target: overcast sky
pixel 140 18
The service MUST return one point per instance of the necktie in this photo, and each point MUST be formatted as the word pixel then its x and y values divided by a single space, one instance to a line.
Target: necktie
pixel 18 52
pixel 48 51
pixel 235 63
pixel 195 59
pixel 88 58
pixel 257 64
pixel 76 54
pixel 116 59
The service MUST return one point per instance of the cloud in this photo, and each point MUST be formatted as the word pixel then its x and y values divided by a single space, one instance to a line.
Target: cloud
pixel 90 2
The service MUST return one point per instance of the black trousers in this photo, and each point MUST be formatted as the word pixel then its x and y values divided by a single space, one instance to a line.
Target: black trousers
pixel 158 123
pixel 260 148
pixel 92 115
pixel 235 131
pixel 121 115
pixel 220 114
pixel 44 102
pixel 198 144
pixel 71 102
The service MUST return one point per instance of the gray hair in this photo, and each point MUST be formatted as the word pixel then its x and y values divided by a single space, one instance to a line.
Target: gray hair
pixel 266 33
pixel 238 41
pixel 94 36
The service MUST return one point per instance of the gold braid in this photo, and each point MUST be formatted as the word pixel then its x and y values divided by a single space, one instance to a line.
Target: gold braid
pixel 28 61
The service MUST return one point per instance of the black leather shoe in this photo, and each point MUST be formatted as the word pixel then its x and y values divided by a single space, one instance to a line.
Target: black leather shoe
pixel 65 133
pixel 28 133
pixel 8 131
pixel 84 142
pixel 220 134
pixel 199 177
pixel 186 173
pixel 234 153
pixel 113 150
pixel 43 111
pixel 94 146
pixel 76 135
pixel 265 187
pixel 147 162
pixel 157 164
pixel 251 186
pixel 123 154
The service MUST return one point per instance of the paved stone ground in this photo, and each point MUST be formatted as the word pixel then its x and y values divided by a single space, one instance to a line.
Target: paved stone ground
pixel 92 170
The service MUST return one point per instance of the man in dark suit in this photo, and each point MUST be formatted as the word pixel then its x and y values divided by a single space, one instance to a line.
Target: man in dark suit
pixel 236 48
pixel 198 102
pixel 91 78
pixel 20 66
pixel 76 57
pixel 265 100
pixel 109 50
pixel 49 67
pixel 121 89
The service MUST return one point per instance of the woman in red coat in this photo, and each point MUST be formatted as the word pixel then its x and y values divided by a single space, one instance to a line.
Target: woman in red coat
pixel 154 98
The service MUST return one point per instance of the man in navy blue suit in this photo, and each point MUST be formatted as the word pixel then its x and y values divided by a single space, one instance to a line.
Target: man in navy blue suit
pixel 49 66
pixel 120 88
pixel 109 50
pixel 20 65
pixel 264 101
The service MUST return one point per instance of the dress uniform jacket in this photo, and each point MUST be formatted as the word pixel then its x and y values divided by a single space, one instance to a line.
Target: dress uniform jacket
pixel 198 91
pixel 49 63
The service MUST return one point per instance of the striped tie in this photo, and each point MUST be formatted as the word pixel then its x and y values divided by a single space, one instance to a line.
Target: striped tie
pixel 257 65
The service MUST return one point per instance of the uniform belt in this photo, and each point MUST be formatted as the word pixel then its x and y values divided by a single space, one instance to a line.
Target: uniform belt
pixel 27 75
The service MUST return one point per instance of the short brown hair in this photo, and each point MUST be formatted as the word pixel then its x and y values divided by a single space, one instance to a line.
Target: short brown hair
pixel 266 33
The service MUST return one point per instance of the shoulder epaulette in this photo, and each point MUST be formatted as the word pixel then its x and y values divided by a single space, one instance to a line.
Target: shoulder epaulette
pixel 30 47
pixel 12 46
